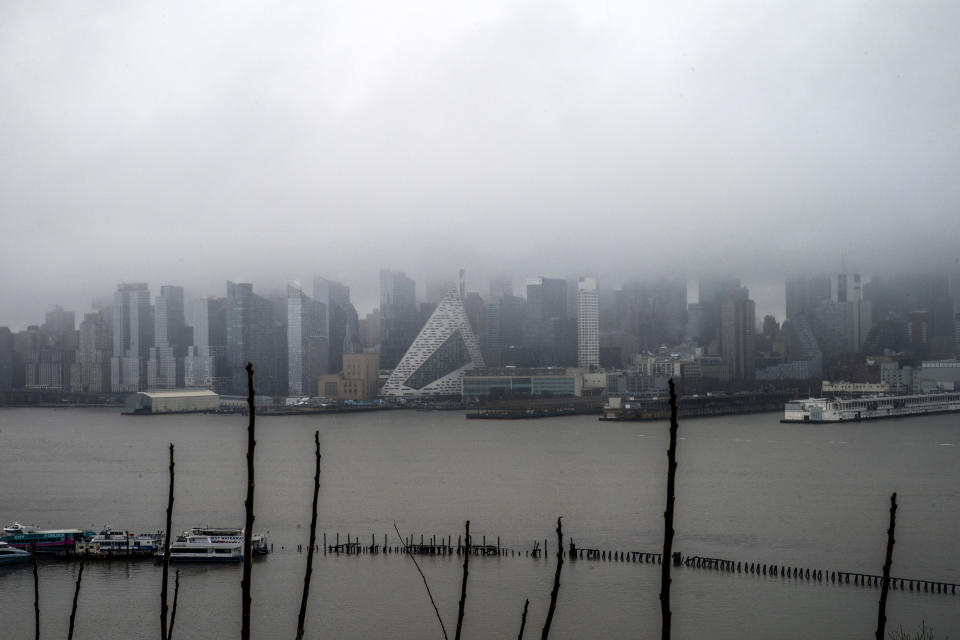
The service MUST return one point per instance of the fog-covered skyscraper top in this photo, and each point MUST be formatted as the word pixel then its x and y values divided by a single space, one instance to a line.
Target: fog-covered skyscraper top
pixel 307 342
pixel 133 328
pixel 398 316
pixel 588 322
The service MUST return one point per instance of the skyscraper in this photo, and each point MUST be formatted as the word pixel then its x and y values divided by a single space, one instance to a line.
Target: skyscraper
pixel 308 344
pixel 738 334
pixel 91 371
pixel 205 365
pixel 165 364
pixel 132 337
pixel 339 313
pixel 588 322
pixel 250 338
pixel 398 316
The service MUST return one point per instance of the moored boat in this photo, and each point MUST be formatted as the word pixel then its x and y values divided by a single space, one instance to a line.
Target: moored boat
pixel 258 541
pixel 10 555
pixel 818 410
pixel 58 541
pixel 204 548
pixel 119 543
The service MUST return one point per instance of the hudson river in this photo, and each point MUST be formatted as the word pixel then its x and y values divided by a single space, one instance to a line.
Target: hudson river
pixel 749 489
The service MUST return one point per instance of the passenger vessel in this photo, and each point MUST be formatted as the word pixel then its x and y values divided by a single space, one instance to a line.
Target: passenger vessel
pixel 59 541
pixel 119 543
pixel 204 548
pixel 819 410
pixel 258 541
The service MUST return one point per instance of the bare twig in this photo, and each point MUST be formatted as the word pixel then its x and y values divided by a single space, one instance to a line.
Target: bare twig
pixel 423 577
pixel 36 591
pixel 313 541
pixel 248 524
pixel 463 586
pixel 556 582
pixel 882 614
pixel 173 610
pixel 166 555
pixel 523 618
pixel 76 596
pixel 668 518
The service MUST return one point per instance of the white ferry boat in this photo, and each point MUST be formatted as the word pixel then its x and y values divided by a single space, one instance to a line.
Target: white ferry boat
pixel 204 548
pixel 258 541
pixel 123 543
pixel 817 410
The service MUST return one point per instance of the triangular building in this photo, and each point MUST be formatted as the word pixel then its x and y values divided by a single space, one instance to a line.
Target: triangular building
pixel 436 361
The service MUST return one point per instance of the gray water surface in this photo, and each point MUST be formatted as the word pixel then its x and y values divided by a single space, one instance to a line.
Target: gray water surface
pixel 749 489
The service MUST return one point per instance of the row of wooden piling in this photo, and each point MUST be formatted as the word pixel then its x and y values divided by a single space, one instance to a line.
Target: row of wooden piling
pixel 438 546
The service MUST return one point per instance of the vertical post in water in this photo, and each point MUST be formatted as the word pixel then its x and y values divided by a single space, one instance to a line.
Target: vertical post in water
pixel 668 518
pixel 248 524
pixel 36 592
pixel 463 586
pixel 556 580
pixel 76 596
pixel 523 618
pixel 882 614
pixel 313 541
pixel 166 555
pixel 173 610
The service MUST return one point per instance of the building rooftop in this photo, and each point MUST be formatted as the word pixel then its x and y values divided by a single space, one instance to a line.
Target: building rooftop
pixel 180 393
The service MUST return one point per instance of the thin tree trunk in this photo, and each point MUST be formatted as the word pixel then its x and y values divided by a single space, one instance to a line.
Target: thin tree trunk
pixel 668 518
pixel 463 586
pixel 523 618
pixel 166 555
pixel 556 582
pixel 36 592
pixel 76 596
pixel 882 614
pixel 248 524
pixel 424 578
pixel 313 541
pixel 173 610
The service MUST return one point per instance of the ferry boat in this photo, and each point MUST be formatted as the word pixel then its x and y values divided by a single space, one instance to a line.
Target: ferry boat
pixel 819 410
pixel 204 548
pixel 120 543
pixel 58 541
pixel 258 541
pixel 9 555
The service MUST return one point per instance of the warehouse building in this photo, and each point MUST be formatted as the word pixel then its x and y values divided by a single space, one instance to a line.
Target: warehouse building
pixel 174 401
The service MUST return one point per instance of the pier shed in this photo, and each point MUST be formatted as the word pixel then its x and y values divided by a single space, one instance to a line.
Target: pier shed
pixel 174 401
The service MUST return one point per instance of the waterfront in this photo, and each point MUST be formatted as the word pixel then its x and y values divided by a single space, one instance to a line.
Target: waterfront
pixel 748 488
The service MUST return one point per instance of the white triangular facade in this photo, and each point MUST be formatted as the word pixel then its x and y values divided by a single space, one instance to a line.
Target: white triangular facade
pixel 436 361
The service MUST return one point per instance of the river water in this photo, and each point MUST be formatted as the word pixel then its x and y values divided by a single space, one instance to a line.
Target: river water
pixel 748 489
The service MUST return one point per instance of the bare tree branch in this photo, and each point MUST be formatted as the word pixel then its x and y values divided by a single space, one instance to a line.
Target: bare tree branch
pixel 417 565
pixel 166 555
pixel 463 586
pixel 556 582
pixel 313 541
pixel 523 618
pixel 76 596
pixel 248 524
pixel 668 517
pixel 882 613
pixel 173 610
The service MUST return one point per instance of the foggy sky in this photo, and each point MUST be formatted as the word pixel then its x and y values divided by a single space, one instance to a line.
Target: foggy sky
pixel 190 143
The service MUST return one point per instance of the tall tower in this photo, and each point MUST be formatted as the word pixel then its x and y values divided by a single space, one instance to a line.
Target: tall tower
pixel 165 366
pixel 307 342
pixel 132 337
pixel 588 322
pixel 398 316
pixel 738 335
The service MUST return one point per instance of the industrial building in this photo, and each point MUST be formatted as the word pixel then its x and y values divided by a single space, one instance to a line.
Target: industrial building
pixel 174 401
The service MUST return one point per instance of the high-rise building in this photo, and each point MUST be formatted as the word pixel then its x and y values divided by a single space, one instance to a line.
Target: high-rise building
pixel 91 371
pixel 504 323
pixel 6 359
pixel 546 315
pixel 251 337
pixel 165 364
pixel 738 335
pixel 132 337
pixel 308 346
pixel 398 316
pixel 654 311
pixel 588 322
pixel 205 365
pixel 444 349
